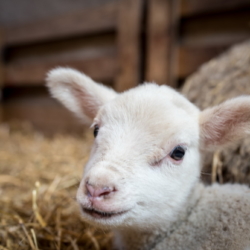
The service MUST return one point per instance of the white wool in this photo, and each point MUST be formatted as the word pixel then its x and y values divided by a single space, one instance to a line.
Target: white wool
pixel 131 182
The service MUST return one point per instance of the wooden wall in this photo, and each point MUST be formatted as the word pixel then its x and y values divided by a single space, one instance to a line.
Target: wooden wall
pixel 192 32
pixel 89 40
pixel 121 44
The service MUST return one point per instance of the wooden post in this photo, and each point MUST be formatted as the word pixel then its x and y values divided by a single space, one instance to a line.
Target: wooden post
pixel 1 73
pixel 161 34
pixel 173 46
pixel 129 34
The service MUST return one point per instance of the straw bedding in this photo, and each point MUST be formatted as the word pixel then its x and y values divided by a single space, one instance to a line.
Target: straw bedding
pixel 218 80
pixel 38 181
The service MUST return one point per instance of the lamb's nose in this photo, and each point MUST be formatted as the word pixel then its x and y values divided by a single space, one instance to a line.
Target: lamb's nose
pixel 95 192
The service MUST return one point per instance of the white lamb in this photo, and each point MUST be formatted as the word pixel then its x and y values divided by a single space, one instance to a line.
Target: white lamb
pixel 142 178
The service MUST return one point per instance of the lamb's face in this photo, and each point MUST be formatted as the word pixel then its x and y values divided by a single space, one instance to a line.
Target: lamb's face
pixel 144 160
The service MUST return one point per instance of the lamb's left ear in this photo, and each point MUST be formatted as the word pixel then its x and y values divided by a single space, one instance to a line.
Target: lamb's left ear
pixel 79 93
pixel 225 124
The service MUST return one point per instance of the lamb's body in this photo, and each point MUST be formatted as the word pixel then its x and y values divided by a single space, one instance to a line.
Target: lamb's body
pixel 215 218
pixel 142 179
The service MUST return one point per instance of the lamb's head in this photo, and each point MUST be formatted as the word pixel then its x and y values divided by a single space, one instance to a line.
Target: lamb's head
pixel 145 159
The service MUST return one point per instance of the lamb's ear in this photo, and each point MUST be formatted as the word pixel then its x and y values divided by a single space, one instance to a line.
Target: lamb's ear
pixel 225 124
pixel 79 93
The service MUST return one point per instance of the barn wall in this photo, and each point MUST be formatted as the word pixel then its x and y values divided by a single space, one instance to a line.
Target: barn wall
pixel 118 42
pixel 16 12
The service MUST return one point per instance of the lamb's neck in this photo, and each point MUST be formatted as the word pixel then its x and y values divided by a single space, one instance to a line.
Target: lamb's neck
pixel 148 239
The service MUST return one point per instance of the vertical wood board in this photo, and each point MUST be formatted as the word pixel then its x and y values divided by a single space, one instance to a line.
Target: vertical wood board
pixel 1 72
pixel 158 39
pixel 128 43
pixel 161 36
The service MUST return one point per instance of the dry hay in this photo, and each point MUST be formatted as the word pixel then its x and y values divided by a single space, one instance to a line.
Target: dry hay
pixel 38 181
pixel 216 81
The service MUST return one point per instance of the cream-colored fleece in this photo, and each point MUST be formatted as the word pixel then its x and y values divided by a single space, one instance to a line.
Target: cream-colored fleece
pixel 217 218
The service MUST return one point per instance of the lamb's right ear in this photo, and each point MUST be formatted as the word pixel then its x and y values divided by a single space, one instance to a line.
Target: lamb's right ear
pixel 225 124
pixel 79 93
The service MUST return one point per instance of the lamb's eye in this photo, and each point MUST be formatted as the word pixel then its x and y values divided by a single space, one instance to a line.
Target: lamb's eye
pixel 178 153
pixel 96 129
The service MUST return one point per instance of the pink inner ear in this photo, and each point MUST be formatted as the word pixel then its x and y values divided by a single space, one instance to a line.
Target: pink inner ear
pixel 89 105
pixel 225 123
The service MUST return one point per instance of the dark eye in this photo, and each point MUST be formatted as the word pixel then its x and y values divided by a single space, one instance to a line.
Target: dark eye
pixel 96 129
pixel 178 153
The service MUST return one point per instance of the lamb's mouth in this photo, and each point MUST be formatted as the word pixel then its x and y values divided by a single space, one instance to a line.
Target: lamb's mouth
pixel 100 214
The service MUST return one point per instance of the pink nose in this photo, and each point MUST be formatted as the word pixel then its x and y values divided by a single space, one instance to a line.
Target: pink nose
pixel 95 192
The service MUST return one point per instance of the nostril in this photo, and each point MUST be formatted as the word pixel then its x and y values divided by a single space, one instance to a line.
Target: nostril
pixel 90 190
pixel 105 191
pixel 98 191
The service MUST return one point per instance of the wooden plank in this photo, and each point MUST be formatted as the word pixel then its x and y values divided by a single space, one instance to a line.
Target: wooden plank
pixel 216 39
pixel 1 62
pixel 128 42
pixel 102 68
pixel 193 7
pixel 80 48
pixel 161 37
pixel 45 114
pixel 1 55
pixel 205 37
pixel 191 58
pixel 83 22
pixel 174 33
pixel 1 72
pixel 216 29
pixel 158 41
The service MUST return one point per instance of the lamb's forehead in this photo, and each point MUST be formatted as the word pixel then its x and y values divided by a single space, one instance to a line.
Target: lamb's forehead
pixel 149 102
